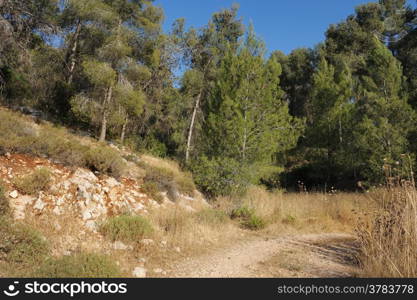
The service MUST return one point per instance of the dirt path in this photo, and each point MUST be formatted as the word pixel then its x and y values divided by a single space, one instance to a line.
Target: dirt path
pixel 324 255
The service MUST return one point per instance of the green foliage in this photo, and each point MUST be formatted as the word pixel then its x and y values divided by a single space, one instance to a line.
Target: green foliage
pixel 247 123
pixel 100 74
pixel 220 176
pixel 32 184
pixel 248 218
pixel 297 72
pixel 126 228
pixel 80 265
pixel 254 222
pixel 234 119
pixel 20 244
pixel 242 212
pixel 4 202
pixel 131 100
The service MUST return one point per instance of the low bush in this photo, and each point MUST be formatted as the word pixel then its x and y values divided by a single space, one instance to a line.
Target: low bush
pixel 33 183
pixel 169 180
pixel 4 202
pixel 248 218
pixel 242 212
pixel 105 160
pixel 79 266
pixel 152 190
pixel 126 228
pixel 254 222
pixel 20 244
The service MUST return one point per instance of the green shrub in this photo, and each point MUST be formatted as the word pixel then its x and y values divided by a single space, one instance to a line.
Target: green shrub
pixel 33 183
pixel 248 218
pixel 126 228
pixel 20 244
pixel 79 266
pixel 105 160
pixel 221 176
pixel 242 212
pixel 254 222
pixel 4 202
pixel 212 216
pixel 152 190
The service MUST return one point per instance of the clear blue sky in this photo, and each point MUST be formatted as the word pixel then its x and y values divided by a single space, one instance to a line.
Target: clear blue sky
pixel 283 24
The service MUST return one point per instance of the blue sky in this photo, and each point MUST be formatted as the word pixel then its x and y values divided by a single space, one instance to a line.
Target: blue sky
pixel 283 24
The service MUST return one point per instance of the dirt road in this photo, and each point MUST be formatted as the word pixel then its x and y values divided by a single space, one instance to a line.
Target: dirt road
pixel 319 255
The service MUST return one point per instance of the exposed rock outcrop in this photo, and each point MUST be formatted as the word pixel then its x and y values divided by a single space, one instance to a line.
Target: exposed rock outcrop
pixel 92 197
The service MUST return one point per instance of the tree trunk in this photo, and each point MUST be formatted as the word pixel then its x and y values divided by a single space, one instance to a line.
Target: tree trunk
pixel 104 117
pixel 122 137
pixel 191 130
pixel 72 57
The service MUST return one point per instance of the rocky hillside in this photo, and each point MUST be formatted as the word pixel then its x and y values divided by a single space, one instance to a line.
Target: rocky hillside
pixel 71 201
pixel 92 197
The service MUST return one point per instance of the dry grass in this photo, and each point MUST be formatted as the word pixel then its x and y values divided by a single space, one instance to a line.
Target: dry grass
pixel 167 175
pixel 388 235
pixel 192 232
pixel 306 213
pixel 4 202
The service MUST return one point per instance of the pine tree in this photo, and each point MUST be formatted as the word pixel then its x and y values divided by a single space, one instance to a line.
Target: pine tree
pixel 247 120
pixel 330 114
pixel 383 116
pixel 204 52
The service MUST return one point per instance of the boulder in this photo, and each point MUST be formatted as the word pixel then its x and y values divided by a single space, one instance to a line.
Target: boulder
pixel 14 194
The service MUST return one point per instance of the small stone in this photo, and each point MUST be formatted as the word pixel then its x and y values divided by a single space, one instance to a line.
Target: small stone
pixel 164 243
pixel 177 249
pixel 121 246
pixel 139 272
pixel 147 242
pixel 158 271
pixel 8 155
pixel 14 194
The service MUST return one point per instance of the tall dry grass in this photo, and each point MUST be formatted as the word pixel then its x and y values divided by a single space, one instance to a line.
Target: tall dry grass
pixel 388 235
pixel 301 212
pixel 193 231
